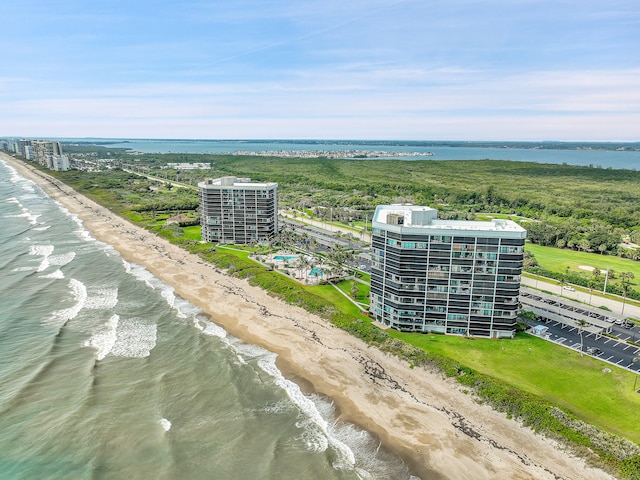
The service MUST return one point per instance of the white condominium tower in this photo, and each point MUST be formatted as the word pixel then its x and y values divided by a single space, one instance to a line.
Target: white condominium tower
pixel 446 276
pixel 234 210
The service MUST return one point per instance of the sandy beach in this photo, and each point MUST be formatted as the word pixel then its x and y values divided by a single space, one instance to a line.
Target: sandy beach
pixel 424 417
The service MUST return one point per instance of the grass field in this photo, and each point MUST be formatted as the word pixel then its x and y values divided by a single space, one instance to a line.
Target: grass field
pixel 330 294
pixel 558 259
pixel 192 233
pixel 363 290
pixel 560 375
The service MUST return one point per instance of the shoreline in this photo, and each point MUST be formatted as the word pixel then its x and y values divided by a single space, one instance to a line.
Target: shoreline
pixel 418 414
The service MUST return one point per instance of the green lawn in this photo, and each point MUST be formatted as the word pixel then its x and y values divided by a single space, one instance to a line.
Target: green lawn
pixel 235 250
pixel 363 289
pixel 333 296
pixel 193 232
pixel 558 259
pixel 558 374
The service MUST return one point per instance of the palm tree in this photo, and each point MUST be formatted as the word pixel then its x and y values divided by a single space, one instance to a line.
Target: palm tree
pixel 302 263
pixel 625 284
pixel 354 289
pixel 581 324
pixel 593 281
pixel 563 282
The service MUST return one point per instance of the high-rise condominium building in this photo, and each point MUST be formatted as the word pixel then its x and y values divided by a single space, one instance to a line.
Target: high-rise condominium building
pixel 43 150
pixel 234 210
pixel 447 276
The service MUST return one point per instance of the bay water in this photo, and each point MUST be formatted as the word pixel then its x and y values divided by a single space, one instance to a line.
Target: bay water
pixel 106 374
pixel 587 155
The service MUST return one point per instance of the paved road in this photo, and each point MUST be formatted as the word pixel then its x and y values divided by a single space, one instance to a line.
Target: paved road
pixel 612 302
pixel 361 235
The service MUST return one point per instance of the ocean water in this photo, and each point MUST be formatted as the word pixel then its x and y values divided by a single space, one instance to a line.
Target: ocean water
pixel 618 159
pixel 106 374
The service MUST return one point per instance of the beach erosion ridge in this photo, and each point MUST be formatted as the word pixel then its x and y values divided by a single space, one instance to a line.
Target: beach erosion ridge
pixel 425 418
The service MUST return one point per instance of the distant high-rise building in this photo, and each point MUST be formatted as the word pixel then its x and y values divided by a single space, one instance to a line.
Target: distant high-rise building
pixel 446 276
pixel 234 210
pixel 59 163
pixel 42 150
pixel 24 148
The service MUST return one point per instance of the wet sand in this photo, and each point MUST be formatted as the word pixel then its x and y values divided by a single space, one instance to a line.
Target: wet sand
pixel 426 418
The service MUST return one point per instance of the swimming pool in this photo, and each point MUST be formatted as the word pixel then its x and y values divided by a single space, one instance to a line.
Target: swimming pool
pixel 288 258
pixel 317 272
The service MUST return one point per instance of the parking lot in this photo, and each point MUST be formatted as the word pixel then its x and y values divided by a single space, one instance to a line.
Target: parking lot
pixel 615 352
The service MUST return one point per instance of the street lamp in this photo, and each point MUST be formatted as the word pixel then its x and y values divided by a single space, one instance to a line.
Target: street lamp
pixel 635 359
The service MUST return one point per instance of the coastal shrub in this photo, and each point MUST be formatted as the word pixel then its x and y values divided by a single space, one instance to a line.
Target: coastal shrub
pixel 362 329
pixel 630 468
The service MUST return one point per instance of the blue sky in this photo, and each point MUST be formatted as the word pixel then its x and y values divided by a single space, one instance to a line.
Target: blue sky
pixel 317 69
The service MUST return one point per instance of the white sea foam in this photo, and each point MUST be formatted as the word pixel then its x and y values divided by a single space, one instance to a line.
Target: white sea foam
pixel 23 269
pixel 248 350
pixel 42 251
pixel 316 434
pixel 134 339
pixel 32 218
pixel 57 275
pixel 209 328
pixel 83 235
pixel 168 295
pixel 79 293
pixel 13 200
pixel 143 275
pixel 42 229
pixel 62 259
pixel 24 183
pixel 104 339
pixel 182 307
pixel 165 424
pixel 102 298
pixel 126 265
pixel 185 308
pixel 278 408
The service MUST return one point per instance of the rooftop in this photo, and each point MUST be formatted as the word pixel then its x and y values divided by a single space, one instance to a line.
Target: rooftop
pixel 234 182
pixel 421 217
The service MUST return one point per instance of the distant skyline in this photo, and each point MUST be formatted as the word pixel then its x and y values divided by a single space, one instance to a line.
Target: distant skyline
pixel 513 70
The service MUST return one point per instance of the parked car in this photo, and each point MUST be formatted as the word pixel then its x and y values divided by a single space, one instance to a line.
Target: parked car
pixel 594 351
pixel 628 324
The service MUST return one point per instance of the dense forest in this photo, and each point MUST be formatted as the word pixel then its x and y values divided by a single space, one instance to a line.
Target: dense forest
pixel 582 208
